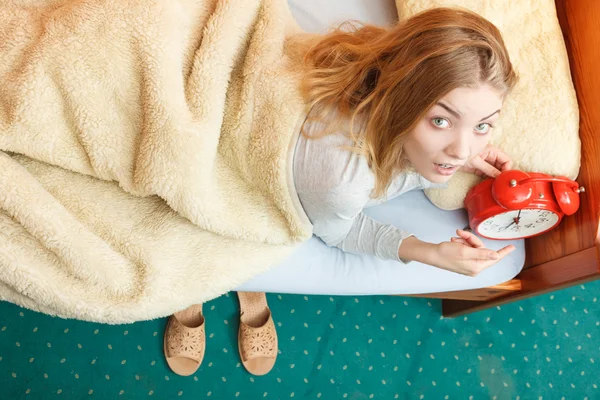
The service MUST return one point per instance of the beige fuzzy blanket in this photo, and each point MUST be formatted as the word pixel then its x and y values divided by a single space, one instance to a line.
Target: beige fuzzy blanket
pixel 144 151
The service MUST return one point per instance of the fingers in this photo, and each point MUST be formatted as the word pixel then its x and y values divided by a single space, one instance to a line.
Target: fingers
pixel 483 166
pixel 506 166
pixel 467 239
pixel 500 254
pixel 503 161
pixel 473 240
pixel 492 259
pixel 480 254
pixel 459 240
pixel 503 252
pixel 496 157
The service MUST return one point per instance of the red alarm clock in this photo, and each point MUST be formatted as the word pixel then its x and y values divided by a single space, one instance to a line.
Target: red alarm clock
pixel 518 205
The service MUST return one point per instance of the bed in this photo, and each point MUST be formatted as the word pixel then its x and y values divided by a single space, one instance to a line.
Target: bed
pixel 568 255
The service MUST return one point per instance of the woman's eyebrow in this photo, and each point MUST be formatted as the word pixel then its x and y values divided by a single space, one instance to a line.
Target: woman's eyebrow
pixel 450 109
pixel 492 114
pixel 457 114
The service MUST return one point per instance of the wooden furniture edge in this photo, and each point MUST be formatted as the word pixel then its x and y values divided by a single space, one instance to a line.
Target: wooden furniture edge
pixel 577 268
pixel 579 23
pixel 481 294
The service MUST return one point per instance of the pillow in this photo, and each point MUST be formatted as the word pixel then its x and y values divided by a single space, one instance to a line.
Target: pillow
pixel 539 124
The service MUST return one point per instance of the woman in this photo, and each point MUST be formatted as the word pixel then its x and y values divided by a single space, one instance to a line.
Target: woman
pixel 424 98
pixel 392 110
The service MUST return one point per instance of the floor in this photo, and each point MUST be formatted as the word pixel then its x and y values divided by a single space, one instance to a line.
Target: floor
pixel 374 347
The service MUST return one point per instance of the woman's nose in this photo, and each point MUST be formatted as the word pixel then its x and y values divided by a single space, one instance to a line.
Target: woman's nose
pixel 459 148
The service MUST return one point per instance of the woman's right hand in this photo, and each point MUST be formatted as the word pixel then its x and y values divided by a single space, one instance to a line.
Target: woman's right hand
pixel 464 254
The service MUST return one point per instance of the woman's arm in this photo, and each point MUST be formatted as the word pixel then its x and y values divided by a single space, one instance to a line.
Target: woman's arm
pixel 416 250
pixel 369 236
pixel 338 220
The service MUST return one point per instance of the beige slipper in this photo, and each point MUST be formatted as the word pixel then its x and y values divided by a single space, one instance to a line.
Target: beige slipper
pixel 257 337
pixel 185 340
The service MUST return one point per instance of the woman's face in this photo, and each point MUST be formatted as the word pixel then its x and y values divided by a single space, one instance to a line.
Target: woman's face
pixel 453 131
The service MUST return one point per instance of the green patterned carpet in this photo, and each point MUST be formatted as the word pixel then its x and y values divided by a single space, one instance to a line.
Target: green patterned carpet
pixel 375 347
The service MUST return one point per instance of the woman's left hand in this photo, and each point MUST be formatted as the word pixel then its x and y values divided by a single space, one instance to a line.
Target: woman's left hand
pixel 490 162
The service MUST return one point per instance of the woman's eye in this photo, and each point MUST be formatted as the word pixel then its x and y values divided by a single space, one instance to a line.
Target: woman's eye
pixel 483 128
pixel 440 122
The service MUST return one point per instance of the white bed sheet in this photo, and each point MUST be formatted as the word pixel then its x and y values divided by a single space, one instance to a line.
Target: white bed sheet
pixel 316 268
pixel 319 15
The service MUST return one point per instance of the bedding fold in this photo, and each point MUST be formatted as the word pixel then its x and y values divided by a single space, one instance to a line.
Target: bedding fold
pixel 144 152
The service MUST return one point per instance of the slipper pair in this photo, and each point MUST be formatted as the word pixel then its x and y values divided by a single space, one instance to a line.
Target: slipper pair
pixel 185 338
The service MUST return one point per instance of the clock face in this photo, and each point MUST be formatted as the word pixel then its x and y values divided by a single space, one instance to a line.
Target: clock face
pixel 518 224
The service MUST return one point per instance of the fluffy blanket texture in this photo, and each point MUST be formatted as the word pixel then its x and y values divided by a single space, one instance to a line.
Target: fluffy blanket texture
pixel 144 152
pixel 539 124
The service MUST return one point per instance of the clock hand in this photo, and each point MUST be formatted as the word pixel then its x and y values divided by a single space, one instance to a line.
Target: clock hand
pixel 515 221
pixel 518 218
pixel 508 226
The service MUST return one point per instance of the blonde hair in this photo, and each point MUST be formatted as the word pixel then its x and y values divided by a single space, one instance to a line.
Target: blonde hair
pixel 389 78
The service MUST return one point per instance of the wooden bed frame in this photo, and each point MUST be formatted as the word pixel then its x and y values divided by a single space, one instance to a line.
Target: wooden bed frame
pixel 570 254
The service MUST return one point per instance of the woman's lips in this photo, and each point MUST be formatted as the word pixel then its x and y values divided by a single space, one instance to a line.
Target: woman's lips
pixel 445 171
